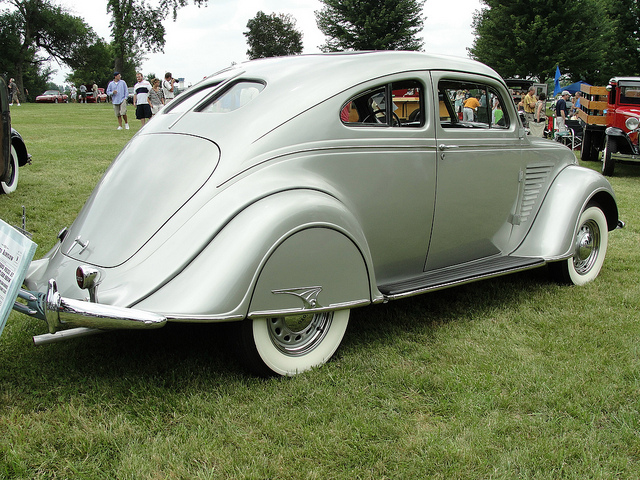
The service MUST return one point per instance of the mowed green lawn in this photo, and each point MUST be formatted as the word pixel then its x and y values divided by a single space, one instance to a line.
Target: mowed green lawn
pixel 515 377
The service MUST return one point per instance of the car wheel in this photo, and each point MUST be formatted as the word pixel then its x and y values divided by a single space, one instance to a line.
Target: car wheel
pixel 292 344
pixel 608 163
pixel 589 249
pixel 12 184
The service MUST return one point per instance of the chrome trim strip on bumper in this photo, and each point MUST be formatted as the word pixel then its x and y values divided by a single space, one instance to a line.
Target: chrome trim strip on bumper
pixel 60 312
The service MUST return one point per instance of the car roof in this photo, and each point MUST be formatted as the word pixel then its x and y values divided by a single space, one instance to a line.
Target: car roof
pixel 348 69
pixel 295 86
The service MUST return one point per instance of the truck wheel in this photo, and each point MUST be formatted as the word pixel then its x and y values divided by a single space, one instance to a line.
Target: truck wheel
pixel 587 150
pixel 608 163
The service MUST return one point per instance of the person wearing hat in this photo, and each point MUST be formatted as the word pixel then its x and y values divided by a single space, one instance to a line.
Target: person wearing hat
pixel 118 91
pixel 562 111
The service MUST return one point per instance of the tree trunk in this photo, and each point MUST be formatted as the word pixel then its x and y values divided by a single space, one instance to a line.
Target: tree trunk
pixel 118 64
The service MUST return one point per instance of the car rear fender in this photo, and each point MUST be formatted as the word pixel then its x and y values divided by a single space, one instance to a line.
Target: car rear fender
pixel 314 269
pixel 287 240
pixel 21 149
pixel 556 223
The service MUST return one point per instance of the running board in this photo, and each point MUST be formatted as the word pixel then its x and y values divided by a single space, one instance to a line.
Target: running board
pixel 467 273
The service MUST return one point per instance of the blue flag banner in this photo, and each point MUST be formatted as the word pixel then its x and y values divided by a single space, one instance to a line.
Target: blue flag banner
pixel 556 87
pixel 16 252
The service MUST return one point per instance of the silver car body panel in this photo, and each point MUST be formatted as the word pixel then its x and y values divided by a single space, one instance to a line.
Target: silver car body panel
pixel 278 206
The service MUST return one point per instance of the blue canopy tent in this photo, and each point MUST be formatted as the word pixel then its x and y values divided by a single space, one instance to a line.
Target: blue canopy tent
pixel 574 87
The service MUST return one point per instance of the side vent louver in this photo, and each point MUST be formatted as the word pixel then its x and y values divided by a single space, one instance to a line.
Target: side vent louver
pixel 534 183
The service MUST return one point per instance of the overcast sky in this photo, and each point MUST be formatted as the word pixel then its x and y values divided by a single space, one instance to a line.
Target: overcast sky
pixel 204 40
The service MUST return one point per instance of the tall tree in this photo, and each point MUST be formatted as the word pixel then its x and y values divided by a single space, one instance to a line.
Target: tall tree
pixel 136 26
pixel 371 24
pixel 272 35
pixel 42 26
pixel 98 66
pixel 35 71
pixel 528 38
pixel 623 53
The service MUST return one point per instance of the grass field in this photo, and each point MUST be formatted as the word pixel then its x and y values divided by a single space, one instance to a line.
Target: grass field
pixel 510 378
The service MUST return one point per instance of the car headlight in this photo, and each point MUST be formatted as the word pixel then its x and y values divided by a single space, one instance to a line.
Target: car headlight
pixel 632 123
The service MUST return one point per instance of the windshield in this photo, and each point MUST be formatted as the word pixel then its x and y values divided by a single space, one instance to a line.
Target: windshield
pixel 630 93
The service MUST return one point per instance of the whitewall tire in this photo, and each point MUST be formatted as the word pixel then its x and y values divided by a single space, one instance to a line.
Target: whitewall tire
pixel 589 249
pixel 11 185
pixel 294 344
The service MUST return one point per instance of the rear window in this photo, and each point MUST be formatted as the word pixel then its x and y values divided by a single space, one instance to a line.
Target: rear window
pixel 189 99
pixel 234 97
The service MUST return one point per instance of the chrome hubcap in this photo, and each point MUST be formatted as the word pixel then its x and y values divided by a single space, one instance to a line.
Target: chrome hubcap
pixel 299 334
pixel 586 247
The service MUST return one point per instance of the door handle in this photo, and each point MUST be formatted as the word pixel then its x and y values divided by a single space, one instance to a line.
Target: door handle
pixel 442 147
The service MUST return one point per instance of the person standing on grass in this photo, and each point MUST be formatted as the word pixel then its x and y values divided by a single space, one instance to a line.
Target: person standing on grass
pixel 83 93
pixel 13 92
pixel 168 85
pixel 141 98
pixel 118 91
pixel 156 99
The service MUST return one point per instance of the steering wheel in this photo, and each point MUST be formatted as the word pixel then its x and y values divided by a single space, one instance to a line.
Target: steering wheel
pixel 395 120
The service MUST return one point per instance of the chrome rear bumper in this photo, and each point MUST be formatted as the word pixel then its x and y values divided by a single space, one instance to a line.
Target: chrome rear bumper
pixel 60 312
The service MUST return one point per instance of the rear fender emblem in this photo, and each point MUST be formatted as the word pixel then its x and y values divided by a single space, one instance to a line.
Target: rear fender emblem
pixel 308 295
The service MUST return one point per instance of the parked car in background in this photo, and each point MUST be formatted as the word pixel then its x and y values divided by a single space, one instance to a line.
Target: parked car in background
pixel 52 96
pixel 302 194
pixel 101 97
pixel 130 96
pixel 12 148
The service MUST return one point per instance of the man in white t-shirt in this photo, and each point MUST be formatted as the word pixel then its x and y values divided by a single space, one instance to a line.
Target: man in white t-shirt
pixel 141 98
pixel 168 85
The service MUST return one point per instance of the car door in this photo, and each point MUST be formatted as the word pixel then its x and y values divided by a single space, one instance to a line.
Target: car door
pixel 479 170
pixel 390 172
pixel 5 130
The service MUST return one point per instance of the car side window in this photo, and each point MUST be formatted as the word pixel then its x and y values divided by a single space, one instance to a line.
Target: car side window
pixel 471 105
pixel 397 104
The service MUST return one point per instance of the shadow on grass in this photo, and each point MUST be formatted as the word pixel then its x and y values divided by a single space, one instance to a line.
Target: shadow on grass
pixel 623 168
pixel 428 312
pixel 199 357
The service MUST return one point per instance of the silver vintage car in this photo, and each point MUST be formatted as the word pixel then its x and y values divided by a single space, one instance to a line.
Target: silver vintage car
pixel 281 193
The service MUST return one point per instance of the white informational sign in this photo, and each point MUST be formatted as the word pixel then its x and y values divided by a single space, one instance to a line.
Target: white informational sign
pixel 16 252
